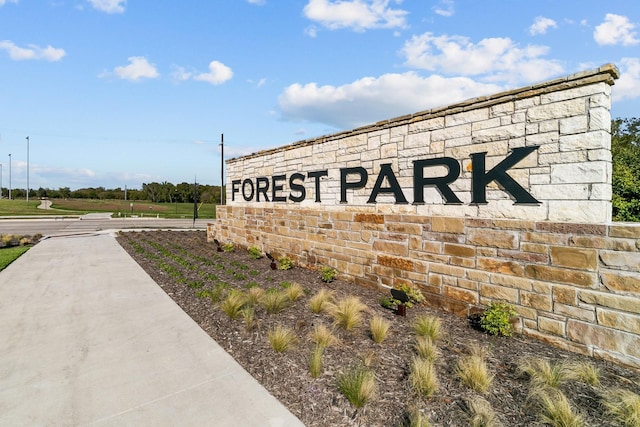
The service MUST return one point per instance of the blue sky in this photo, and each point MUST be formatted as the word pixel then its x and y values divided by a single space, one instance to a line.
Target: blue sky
pixel 121 92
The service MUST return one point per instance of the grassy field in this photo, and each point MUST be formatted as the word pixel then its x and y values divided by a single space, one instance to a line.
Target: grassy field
pixel 117 207
pixel 8 255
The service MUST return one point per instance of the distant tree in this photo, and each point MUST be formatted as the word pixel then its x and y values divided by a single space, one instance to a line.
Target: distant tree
pixel 625 151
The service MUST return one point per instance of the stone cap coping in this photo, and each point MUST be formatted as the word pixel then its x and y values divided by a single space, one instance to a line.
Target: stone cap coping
pixel 607 73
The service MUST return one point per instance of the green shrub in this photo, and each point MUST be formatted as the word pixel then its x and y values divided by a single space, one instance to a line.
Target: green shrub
pixel 423 377
pixel 328 274
pixel 228 247
pixel 428 326
pixel 281 338
pixel 254 252
pixel 496 319
pixel 285 263
pixel 413 293
pixel 347 313
pixel 233 304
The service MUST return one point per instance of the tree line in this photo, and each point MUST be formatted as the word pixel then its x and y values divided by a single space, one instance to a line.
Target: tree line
pixel 157 192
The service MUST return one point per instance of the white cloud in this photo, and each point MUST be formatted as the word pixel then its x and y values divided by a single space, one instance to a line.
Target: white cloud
pixel 3 2
pixel 616 29
pixel 258 2
pixel 180 74
pixel 541 25
pixel 628 85
pixel 218 74
pixel 358 15
pixel 445 8
pixel 138 68
pixel 109 6
pixel 496 59
pixel 370 99
pixel 31 52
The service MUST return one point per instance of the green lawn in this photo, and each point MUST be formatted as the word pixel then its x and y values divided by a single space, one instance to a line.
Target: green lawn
pixel 117 207
pixel 8 255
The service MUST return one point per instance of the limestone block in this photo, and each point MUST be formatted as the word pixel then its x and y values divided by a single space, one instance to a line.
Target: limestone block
pixel 573 125
pixel 298 153
pixel 590 211
pixel 565 294
pixel 493 238
pixel 459 250
pixel 507 209
pixel 617 302
pixel 600 119
pixel 504 109
pixel 552 326
pixel 499 133
pixel 447 225
pixel 485 124
pixel 586 141
pixel 418 140
pixel 561 191
pixel 625 230
pixel 560 275
pixel 395 262
pixel 511 281
pixel 459 294
pixel 392 248
pixel 569 94
pixel 475 115
pixel 496 148
pixel 604 338
pixel 427 125
pixel 494 265
pixel 619 281
pixel 584 259
pixel 547 141
pixel 629 261
pixel 451 132
pixel 499 293
pixel 587 314
pixel 556 110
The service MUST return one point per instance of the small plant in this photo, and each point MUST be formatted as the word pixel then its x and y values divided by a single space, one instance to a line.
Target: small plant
pixel 358 385
pixel 195 284
pixel 294 291
pixel 623 406
pixel 239 276
pixel 583 372
pixel 472 370
pixel 423 377
pixel 328 274
pixel 555 409
pixel 379 328
pixel 233 304
pixel 254 296
pixel 249 317
pixel 481 414
pixel 347 313
pixel 496 319
pixel 281 338
pixel 275 302
pixel 414 294
pixel 218 292
pixel 204 293
pixel 428 326
pixel 543 374
pixel 315 361
pixel 228 247
pixel 322 336
pixel 285 263
pixel 254 252
pixel 427 349
pixel 416 419
pixel 388 302
pixel 25 241
pixel 321 301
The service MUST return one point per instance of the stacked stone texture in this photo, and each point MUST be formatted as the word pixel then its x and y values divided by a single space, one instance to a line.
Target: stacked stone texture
pixel 573 276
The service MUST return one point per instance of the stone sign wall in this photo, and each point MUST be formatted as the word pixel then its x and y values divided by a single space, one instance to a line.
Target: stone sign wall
pixel 505 197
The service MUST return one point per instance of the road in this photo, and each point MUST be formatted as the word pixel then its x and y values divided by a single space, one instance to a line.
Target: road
pixel 90 223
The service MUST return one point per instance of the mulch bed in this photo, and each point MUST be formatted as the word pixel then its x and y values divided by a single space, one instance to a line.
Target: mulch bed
pixel 194 265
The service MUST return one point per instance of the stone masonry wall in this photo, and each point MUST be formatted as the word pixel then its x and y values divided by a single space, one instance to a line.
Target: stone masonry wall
pixel 573 276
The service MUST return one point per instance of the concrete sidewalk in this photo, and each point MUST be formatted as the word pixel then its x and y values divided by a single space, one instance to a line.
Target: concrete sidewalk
pixel 87 338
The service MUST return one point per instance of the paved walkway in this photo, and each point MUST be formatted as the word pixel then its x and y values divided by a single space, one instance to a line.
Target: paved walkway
pixel 88 339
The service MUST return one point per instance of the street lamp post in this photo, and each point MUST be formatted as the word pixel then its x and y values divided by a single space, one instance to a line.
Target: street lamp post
pixel 27 169
pixel 9 176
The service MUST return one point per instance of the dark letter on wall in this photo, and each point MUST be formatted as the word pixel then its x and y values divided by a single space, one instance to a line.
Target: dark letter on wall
pixel 480 179
pixel 358 184
pixel 234 188
pixel 394 186
pixel 297 187
pixel 317 175
pixel 441 183
pixel 244 193
pixel 275 187
pixel 262 186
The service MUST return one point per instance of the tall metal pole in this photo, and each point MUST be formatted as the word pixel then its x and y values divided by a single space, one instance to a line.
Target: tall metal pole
pixel 27 169
pixel 9 176
pixel 221 168
pixel 0 180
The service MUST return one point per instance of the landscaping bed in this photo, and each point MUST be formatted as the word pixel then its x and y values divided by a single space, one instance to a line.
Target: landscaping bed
pixel 198 278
